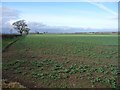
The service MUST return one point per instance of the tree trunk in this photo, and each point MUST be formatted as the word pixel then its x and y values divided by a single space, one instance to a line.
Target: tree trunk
pixel 21 33
pixel 27 33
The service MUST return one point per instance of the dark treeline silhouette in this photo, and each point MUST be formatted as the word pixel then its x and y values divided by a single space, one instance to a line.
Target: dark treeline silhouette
pixel 10 35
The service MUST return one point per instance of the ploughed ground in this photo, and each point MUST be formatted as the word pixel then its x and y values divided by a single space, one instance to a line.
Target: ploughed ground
pixel 21 66
pixel 60 64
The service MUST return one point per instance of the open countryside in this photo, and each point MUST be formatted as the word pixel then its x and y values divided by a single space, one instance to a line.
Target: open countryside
pixel 60 45
pixel 63 60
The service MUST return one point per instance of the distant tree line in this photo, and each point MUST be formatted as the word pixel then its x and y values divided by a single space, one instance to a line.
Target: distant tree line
pixel 36 32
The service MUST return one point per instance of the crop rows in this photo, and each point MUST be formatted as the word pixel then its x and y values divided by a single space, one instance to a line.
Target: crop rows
pixel 51 70
pixel 65 60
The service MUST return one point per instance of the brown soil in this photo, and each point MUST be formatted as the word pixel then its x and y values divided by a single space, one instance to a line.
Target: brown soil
pixel 29 82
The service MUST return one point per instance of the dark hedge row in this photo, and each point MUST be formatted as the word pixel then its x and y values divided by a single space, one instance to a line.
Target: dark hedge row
pixel 10 35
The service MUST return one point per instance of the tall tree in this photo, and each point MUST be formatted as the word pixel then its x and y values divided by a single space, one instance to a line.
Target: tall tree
pixel 21 26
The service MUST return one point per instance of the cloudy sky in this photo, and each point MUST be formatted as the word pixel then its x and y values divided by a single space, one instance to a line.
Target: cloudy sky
pixel 62 16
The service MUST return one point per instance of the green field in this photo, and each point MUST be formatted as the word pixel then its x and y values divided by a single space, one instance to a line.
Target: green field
pixel 63 61
pixel 7 41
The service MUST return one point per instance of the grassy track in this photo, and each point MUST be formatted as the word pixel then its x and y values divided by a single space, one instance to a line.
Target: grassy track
pixel 59 60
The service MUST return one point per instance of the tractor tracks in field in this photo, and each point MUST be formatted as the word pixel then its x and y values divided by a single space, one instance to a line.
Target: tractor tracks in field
pixel 5 48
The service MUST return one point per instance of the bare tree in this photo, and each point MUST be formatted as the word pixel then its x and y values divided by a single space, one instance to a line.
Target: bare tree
pixel 21 26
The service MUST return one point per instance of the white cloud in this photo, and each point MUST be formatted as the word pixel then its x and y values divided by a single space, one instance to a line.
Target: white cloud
pixel 8 14
pixel 72 21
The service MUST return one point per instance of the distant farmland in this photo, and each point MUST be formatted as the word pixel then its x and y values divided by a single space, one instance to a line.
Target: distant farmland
pixel 63 61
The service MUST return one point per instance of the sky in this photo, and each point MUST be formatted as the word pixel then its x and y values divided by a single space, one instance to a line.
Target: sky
pixel 64 16
pixel 59 0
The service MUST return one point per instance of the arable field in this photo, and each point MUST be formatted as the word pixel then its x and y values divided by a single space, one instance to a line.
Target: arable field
pixel 8 39
pixel 63 61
